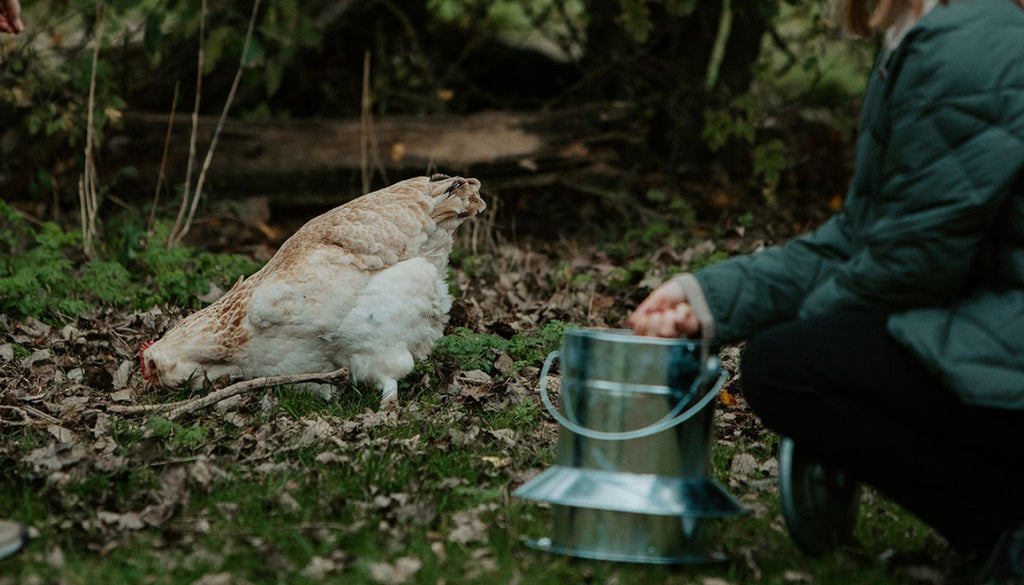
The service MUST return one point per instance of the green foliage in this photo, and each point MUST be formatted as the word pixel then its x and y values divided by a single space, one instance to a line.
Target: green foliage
pixel 44 275
pixel 530 348
pixel 624 278
pixel 667 221
pixel 636 15
pixel 109 282
pixel 770 160
pixel 468 350
pixel 175 435
pixel 36 281
pixel 503 16
pixel 44 90
pixel 44 83
pixel 739 121
pixel 21 352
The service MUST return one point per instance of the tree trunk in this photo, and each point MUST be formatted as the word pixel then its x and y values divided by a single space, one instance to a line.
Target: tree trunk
pixel 665 75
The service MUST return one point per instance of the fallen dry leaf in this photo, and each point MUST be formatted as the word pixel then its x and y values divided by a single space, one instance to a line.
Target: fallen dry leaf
pixel 469 526
pixel 404 569
pixel 743 465
pixel 726 398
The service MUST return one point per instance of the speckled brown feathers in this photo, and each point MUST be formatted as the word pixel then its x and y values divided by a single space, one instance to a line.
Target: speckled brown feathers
pixel 361 285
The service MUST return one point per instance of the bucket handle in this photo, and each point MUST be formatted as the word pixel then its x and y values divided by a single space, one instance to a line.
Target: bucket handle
pixel 676 416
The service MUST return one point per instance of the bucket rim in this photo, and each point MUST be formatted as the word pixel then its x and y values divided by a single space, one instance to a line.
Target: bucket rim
pixel 627 336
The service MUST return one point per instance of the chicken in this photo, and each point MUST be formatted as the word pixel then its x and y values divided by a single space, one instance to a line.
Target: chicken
pixel 362 286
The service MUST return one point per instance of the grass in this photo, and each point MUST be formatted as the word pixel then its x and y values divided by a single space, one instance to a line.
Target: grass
pixel 404 485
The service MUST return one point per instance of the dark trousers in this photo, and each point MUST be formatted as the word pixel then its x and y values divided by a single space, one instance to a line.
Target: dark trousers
pixel 842 388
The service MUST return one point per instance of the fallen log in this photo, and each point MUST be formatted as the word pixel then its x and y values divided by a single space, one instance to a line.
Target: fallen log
pixel 311 158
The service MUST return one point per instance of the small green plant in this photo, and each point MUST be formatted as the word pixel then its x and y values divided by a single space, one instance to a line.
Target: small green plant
pixel 619 278
pixel 531 348
pixel 770 160
pixel 468 350
pixel 175 435
pixel 735 121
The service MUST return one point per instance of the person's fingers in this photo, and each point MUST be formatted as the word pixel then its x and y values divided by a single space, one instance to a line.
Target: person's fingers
pixel 667 328
pixel 638 323
pixel 647 324
pixel 685 320
pixel 659 324
pixel 664 297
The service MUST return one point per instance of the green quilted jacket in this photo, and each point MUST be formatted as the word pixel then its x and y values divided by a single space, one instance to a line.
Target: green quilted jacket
pixel 932 231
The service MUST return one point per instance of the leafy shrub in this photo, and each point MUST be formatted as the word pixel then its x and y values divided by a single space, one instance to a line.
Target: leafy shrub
pixel 35 281
pixel 44 275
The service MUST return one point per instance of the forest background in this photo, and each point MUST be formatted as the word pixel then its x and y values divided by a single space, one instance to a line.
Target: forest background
pixel 152 151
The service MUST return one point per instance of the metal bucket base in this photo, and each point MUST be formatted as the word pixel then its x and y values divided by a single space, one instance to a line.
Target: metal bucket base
pixel 545 545
pixel 631 492
pixel 622 536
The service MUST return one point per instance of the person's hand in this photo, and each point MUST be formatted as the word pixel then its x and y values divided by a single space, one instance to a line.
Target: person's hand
pixel 10 17
pixel 665 313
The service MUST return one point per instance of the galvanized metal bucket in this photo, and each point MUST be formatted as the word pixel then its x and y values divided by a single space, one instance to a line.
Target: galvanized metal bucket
pixel 630 480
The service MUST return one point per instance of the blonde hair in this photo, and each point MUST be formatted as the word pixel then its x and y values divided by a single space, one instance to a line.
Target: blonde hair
pixel 864 16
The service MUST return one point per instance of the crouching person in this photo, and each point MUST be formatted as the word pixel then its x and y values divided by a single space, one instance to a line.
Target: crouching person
pixel 890 341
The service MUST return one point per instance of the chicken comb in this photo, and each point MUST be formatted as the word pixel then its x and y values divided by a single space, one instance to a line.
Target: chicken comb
pixel 142 360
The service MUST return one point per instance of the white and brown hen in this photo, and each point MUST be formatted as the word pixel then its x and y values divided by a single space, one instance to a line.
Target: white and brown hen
pixel 363 286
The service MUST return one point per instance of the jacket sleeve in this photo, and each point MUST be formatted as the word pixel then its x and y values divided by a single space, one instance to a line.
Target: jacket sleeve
pixel 747 293
pixel 953 152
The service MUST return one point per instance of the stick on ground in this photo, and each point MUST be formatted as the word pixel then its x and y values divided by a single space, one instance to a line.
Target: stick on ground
pixel 176 409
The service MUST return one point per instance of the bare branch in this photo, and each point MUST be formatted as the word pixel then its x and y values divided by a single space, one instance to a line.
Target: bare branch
pixel 175 409
pixel 161 176
pixel 172 238
pixel 220 123
pixel 364 126
pixel 87 199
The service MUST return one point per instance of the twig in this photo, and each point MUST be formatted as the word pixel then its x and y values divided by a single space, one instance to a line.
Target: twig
pixel 220 123
pixel 781 44
pixel 364 125
pixel 87 200
pixel 175 409
pixel 163 160
pixel 4 421
pixel 369 146
pixel 40 414
pixel 172 239
pixel 721 42
pixel 24 411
